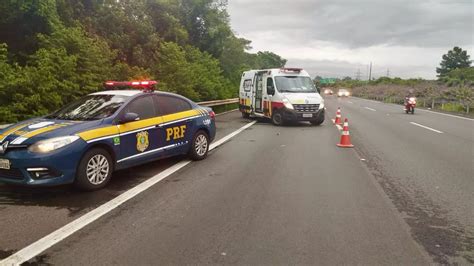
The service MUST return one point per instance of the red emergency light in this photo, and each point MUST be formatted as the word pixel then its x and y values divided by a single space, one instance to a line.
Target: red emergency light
pixel 144 84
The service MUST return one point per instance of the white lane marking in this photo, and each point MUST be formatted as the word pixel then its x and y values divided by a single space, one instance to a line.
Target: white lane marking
pixel 55 237
pixel 349 102
pixel 231 135
pixel 371 109
pixel 429 128
pixel 455 116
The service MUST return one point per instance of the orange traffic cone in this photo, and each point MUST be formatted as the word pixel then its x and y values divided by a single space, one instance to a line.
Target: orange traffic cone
pixel 338 120
pixel 345 137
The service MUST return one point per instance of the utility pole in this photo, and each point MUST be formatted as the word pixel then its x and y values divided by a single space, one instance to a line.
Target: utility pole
pixel 358 74
pixel 367 72
pixel 370 72
pixel 388 73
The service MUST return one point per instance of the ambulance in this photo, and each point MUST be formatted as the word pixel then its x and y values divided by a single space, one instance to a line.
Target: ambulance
pixel 283 95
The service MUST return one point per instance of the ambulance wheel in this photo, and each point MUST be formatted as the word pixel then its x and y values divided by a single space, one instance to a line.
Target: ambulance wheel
pixel 277 118
pixel 317 122
pixel 95 170
pixel 245 115
pixel 199 146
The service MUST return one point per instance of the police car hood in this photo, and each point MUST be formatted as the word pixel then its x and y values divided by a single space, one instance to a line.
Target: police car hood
pixel 31 131
pixel 303 98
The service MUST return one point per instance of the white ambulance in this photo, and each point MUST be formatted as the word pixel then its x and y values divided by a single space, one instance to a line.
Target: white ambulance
pixel 283 94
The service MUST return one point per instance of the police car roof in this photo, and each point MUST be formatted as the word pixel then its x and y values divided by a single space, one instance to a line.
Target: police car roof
pixel 118 92
pixel 131 93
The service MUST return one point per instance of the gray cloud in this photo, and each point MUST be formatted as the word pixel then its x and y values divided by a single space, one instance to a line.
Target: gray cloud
pixel 337 37
pixel 341 69
pixel 358 24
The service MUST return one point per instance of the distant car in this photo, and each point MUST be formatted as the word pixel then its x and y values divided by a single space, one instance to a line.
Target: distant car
pixel 328 92
pixel 85 141
pixel 343 93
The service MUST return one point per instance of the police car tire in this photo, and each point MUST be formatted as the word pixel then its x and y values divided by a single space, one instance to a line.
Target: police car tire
pixel 277 118
pixel 192 151
pixel 81 181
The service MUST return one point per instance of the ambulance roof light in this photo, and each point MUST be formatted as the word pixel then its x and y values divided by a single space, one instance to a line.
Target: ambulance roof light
pixel 146 85
pixel 291 69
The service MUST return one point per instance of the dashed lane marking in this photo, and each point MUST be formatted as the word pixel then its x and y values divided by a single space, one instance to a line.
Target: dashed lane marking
pixel 425 127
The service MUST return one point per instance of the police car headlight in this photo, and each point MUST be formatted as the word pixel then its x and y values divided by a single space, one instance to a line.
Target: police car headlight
pixel 321 106
pixel 49 145
pixel 287 104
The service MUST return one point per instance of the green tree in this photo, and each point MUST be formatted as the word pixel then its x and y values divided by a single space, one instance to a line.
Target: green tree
pixel 269 60
pixel 465 96
pixel 459 76
pixel 454 59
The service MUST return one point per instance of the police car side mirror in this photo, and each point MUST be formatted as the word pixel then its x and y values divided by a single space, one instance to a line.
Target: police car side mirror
pixel 129 117
pixel 270 90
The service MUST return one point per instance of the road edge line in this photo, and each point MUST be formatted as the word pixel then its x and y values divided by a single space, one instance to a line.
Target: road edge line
pixel 39 246
pixel 226 112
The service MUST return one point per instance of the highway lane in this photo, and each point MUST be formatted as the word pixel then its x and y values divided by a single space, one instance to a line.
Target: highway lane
pixel 27 214
pixel 271 196
pixel 428 175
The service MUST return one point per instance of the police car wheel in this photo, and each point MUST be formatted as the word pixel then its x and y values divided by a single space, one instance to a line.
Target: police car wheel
pixel 199 146
pixel 95 170
pixel 277 118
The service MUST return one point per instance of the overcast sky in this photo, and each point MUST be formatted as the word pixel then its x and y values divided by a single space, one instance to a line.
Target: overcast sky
pixel 334 38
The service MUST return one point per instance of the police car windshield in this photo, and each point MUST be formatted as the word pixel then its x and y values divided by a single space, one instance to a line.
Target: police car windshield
pixel 91 107
pixel 294 84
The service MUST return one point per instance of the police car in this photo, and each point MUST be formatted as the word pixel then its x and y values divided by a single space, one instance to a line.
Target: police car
pixel 85 141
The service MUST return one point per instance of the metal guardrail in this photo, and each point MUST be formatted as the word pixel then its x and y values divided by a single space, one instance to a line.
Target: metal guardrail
pixel 219 102
pixel 207 103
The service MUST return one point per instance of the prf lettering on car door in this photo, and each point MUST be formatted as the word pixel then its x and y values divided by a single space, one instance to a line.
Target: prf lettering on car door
pixel 175 132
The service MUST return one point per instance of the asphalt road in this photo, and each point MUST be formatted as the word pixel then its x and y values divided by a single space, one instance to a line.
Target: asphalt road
pixel 27 214
pixel 277 195
pixel 428 175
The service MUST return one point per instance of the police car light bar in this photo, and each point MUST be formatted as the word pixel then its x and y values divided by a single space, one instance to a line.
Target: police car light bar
pixel 297 70
pixel 146 84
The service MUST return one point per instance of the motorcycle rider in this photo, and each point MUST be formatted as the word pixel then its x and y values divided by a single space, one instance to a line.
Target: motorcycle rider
pixel 411 93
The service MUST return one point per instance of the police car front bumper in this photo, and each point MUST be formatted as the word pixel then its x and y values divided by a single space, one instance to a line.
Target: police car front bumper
pixel 51 169
pixel 293 115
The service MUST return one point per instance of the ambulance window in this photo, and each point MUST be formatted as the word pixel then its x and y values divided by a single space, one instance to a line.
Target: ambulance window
pixel 142 106
pixel 270 82
pixel 170 105
pixel 247 85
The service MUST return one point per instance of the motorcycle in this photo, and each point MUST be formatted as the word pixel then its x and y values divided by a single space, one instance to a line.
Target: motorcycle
pixel 410 104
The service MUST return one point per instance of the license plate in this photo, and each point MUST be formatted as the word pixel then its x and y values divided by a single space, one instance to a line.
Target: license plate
pixel 307 115
pixel 4 164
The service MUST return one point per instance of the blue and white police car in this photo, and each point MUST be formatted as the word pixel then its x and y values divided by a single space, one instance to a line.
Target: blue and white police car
pixel 85 141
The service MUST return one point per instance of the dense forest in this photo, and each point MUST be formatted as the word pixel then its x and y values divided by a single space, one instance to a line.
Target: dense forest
pixel 54 51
